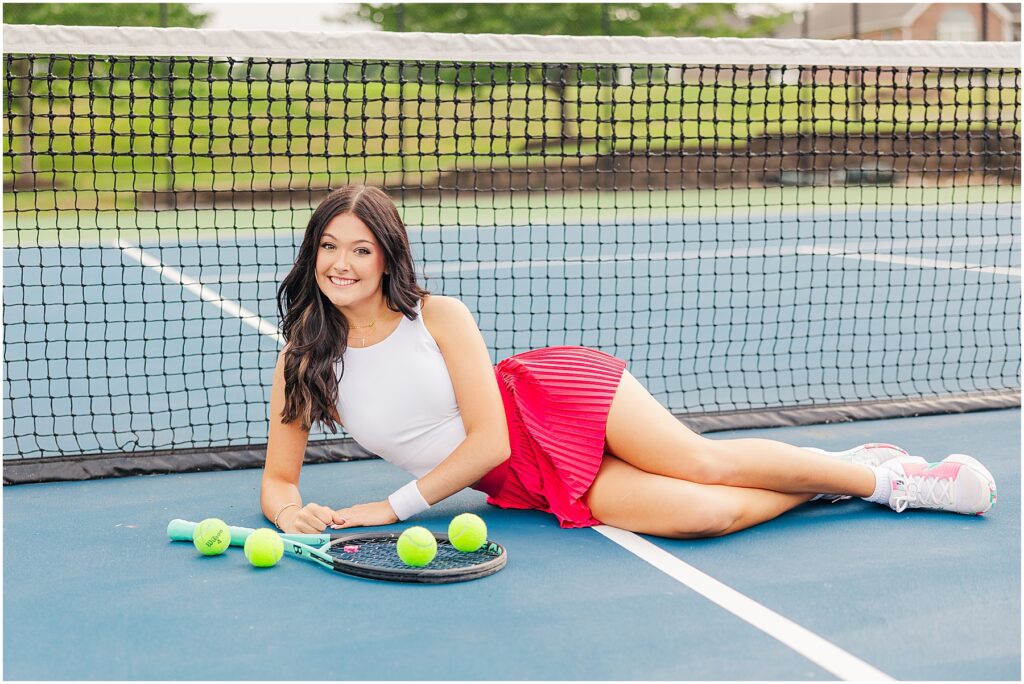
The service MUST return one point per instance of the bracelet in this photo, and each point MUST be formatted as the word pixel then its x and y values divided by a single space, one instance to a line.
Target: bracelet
pixel 407 501
pixel 283 509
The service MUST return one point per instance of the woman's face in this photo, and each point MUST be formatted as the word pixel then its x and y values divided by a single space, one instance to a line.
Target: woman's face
pixel 349 264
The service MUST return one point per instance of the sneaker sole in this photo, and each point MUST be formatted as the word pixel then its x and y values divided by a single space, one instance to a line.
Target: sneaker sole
pixel 981 470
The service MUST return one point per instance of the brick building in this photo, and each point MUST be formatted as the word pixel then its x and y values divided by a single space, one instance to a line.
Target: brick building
pixel 907 21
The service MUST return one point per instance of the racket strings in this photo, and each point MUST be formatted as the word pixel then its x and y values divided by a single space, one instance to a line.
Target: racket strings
pixel 382 552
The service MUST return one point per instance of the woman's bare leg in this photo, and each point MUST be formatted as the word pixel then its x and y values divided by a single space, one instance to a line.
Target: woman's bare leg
pixel 645 434
pixel 625 496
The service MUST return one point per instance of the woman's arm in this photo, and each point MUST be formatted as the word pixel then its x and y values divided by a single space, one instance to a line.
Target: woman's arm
pixel 479 400
pixel 476 392
pixel 279 489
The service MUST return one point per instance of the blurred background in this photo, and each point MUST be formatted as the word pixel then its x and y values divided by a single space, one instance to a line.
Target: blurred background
pixel 869 21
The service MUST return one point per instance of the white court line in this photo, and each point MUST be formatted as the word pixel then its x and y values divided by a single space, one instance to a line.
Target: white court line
pixel 913 261
pixel 195 287
pixel 258 277
pixel 448 268
pixel 435 269
pixel 811 646
pixel 745 215
pixel 688 255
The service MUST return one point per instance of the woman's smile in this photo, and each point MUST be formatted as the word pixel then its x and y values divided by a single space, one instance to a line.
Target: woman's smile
pixel 340 282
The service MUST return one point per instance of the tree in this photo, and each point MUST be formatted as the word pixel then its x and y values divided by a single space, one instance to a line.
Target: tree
pixel 586 19
pixel 73 14
pixel 579 19
pixel 103 14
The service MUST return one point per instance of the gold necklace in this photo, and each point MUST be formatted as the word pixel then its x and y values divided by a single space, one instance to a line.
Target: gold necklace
pixel 371 325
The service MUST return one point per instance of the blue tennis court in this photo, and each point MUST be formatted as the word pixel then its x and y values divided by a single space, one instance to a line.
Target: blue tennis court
pixel 921 596
pixel 849 590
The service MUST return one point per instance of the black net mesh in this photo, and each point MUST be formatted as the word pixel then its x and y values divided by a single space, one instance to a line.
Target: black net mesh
pixel 748 238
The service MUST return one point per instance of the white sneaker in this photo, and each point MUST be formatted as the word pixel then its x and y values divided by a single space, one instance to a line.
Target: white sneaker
pixel 957 483
pixel 865 454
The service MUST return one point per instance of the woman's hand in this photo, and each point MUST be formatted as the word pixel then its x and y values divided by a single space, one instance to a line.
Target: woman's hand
pixel 365 515
pixel 310 519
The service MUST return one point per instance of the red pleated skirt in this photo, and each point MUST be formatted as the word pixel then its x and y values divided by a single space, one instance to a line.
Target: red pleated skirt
pixel 556 406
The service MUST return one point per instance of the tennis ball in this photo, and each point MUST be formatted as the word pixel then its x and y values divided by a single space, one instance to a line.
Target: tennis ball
pixel 212 537
pixel 264 547
pixel 417 547
pixel 467 532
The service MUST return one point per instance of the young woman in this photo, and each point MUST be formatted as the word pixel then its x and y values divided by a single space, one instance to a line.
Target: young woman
pixel 567 430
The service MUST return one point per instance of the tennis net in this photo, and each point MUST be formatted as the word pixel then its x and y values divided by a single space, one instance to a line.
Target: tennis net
pixel 768 232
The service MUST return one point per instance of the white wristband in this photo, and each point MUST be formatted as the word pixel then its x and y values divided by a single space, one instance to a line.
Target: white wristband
pixel 407 501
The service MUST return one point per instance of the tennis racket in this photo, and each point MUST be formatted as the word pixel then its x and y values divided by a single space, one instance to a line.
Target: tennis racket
pixel 373 555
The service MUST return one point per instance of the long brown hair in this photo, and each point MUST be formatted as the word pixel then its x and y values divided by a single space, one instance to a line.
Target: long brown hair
pixel 316 333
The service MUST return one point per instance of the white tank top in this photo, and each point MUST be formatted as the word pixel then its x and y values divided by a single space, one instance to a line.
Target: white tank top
pixel 396 399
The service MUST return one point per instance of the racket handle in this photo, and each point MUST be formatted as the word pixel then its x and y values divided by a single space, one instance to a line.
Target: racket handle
pixel 182 530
